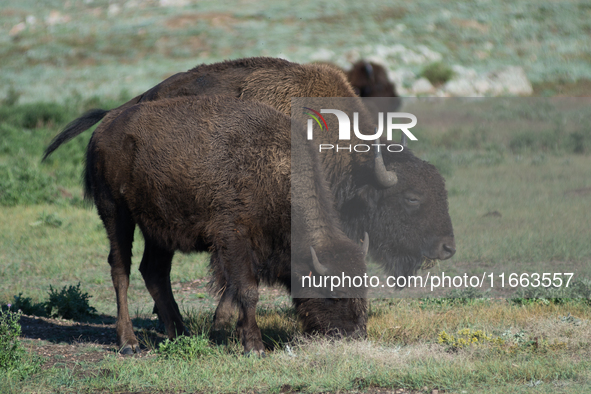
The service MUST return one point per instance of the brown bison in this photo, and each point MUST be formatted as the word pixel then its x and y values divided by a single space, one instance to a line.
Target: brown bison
pixel 371 80
pixel 407 221
pixel 213 174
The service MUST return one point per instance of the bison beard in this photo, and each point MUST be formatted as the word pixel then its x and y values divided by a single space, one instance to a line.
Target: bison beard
pixel 169 167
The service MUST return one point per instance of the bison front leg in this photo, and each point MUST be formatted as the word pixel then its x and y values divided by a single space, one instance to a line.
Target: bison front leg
pixel 155 269
pixel 247 327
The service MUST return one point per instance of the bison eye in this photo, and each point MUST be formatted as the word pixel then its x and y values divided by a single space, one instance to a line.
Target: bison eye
pixel 412 201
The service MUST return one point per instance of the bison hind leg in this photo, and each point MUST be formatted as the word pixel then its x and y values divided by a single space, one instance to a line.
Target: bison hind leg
pixel 155 269
pixel 236 264
pixel 120 228
pixel 224 313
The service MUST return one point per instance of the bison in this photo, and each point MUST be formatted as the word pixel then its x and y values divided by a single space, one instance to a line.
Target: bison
pixel 407 221
pixel 371 80
pixel 213 174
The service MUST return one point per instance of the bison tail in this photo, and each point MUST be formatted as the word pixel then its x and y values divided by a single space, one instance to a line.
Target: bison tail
pixel 75 128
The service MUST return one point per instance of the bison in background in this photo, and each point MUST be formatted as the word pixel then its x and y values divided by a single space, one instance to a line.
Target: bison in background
pixel 370 80
pixel 213 174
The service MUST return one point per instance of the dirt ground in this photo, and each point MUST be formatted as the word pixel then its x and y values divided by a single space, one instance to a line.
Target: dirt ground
pixel 65 342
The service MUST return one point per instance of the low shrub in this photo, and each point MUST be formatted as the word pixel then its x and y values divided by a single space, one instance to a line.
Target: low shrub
pixel 13 357
pixel 27 306
pixel 69 303
pixel 437 73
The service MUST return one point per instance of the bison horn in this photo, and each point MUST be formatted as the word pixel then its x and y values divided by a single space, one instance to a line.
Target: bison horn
pixel 403 140
pixel 319 268
pixel 365 245
pixel 369 70
pixel 385 177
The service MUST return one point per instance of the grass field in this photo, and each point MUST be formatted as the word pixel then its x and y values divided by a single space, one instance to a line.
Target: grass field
pixel 517 174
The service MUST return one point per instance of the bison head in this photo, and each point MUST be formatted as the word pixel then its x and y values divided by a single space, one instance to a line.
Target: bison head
pixel 326 307
pixel 334 317
pixel 402 204
pixel 371 80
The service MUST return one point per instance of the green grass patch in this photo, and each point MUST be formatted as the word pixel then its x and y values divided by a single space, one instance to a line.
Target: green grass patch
pixel 186 348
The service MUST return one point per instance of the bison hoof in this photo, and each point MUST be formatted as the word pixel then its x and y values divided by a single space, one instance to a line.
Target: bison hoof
pixel 255 353
pixel 130 349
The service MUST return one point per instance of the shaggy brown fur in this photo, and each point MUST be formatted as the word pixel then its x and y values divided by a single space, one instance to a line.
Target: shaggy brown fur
pixel 213 174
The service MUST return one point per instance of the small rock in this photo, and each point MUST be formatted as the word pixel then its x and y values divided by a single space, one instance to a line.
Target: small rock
pixel 422 86
pixel 514 81
pixel 482 86
pixel 460 88
pixel 464 72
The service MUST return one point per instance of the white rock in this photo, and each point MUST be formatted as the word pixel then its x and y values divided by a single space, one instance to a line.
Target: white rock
pixel 496 88
pixel 422 86
pixel 459 88
pixel 481 85
pixel 464 72
pixel 31 20
pixel 513 80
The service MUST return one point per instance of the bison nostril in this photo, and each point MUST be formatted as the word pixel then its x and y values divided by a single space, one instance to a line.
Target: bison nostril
pixel 450 250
